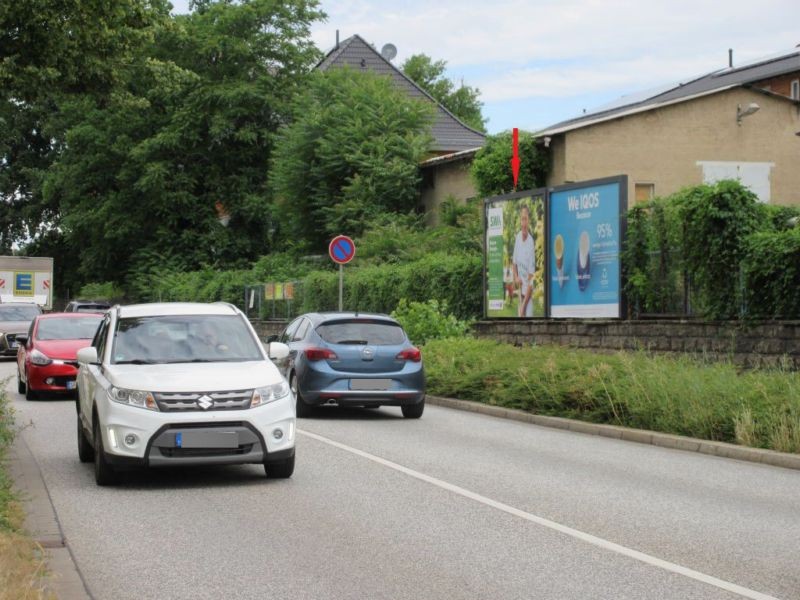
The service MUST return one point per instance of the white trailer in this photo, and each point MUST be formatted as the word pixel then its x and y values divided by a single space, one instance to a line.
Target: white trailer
pixel 26 279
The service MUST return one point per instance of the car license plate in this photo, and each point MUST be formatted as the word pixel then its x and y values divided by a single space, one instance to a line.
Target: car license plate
pixel 71 385
pixel 370 384
pixel 15 344
pixel 206 439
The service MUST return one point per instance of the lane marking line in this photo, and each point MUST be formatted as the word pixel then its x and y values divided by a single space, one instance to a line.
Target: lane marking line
pixel 574 533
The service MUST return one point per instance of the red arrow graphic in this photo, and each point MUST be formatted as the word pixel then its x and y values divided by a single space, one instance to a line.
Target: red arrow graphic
pixel 515 157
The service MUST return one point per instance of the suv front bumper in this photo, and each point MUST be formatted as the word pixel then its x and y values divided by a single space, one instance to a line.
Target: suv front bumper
pixel 135 436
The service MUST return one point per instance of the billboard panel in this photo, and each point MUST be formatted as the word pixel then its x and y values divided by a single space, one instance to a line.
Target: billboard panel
pixel 515 255
pixel 585 240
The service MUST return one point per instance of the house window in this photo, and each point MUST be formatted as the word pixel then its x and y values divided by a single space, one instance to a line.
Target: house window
pixel 795 90
pixel 644 192
pixel 752 175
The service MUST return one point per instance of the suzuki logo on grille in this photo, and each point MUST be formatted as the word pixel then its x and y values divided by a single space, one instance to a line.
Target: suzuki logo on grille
pixel 205 402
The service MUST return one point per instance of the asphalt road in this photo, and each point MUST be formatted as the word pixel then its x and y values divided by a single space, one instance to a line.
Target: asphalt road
pixel 455 505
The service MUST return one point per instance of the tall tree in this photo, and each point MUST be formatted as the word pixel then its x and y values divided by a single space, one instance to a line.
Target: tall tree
pixel 351 152
pixel 462 100
pixel 142 176
pixel 50 51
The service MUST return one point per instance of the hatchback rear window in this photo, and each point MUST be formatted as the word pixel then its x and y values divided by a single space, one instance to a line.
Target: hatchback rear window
pixel 373 333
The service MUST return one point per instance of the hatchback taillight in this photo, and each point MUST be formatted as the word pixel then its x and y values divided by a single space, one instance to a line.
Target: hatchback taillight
pixel 412 354
pixel 320 354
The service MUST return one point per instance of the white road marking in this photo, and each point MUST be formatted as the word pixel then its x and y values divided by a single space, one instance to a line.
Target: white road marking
pixel 574 533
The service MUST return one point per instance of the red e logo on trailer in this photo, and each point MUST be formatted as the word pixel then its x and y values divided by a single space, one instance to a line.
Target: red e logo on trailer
pixel 341 249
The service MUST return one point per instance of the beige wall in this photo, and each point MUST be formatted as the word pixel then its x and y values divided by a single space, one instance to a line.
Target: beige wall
pixel 444 180
pixel 663 146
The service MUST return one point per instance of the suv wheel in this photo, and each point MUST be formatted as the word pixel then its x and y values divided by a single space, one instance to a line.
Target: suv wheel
pixel 413 411
pixel 104 473
pixel 280 470
pixel 301 407
pixel 85 450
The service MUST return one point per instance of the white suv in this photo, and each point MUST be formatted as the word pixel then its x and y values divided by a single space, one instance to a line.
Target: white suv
pixel 182 384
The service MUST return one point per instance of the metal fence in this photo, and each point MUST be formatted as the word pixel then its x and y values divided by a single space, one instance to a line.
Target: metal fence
pixel 273 300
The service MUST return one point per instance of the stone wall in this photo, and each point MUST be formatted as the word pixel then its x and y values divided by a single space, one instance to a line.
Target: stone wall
pixel 750 344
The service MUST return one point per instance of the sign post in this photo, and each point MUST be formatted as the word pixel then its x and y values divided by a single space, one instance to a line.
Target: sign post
pixel 341 250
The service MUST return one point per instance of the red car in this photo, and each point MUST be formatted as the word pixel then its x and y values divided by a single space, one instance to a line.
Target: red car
pixel 46 359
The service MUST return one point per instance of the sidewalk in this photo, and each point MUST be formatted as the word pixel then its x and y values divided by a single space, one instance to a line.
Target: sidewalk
pixel 41 523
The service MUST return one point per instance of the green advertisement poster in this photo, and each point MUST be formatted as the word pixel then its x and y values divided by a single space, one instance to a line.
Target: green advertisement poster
pixel 515 251
pixel 495 292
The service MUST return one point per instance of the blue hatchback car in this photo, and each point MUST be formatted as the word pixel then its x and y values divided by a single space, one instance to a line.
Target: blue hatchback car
pixel 352 359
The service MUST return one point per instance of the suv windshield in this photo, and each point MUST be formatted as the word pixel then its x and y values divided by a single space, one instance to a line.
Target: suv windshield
pixel 373 333
pixel 18 313
pixel 183 338
pixel 82 328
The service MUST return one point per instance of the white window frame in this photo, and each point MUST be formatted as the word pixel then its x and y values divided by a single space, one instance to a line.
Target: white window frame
pixel 795 89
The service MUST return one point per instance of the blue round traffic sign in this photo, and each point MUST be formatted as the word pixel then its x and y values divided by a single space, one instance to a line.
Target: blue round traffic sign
pixel 342 249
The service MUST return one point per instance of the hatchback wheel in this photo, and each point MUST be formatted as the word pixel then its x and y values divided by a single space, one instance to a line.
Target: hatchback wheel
pixel 302 408
pixel 104 473
pixel 280 470
pixel 29 393
pixel 413 411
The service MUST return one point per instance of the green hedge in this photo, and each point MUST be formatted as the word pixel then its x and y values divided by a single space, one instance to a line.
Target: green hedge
pixel 452 279
pixel 772 274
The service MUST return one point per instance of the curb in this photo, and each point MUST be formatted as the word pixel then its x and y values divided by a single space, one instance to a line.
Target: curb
pixel 641 436
pixel 63 578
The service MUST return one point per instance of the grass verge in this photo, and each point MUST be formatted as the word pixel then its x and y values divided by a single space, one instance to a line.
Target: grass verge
pixel 681 395
pixel 22 565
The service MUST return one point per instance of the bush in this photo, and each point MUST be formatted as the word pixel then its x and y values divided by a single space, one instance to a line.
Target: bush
pixel 106 290
pixel 772 274
pixel 424 321
pixel 678 395
pixel 451 279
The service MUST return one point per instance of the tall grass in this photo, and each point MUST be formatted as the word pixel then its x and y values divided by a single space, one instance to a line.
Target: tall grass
pixel 22 566
pixel 681 395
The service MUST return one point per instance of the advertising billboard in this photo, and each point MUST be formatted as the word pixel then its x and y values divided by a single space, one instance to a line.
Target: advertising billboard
pixel 515 255
pixel 585 240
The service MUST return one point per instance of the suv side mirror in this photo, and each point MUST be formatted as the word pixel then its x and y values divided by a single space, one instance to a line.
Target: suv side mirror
pixel 277 350
pixel 88 356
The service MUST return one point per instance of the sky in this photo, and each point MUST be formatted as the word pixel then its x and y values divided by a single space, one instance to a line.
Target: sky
pixel 538 62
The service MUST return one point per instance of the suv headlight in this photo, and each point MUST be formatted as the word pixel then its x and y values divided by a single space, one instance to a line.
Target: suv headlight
pixel 269 393
pixel 133 397
pixel 39 358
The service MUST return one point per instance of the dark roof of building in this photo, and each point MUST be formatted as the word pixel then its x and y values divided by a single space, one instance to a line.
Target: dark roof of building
pixel 449 133
pixel 710 83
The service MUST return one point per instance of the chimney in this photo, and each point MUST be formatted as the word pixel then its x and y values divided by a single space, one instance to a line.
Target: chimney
pixel 337 38
pixel 730 55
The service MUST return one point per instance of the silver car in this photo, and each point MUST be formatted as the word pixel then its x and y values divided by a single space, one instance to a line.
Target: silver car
pixel 15 319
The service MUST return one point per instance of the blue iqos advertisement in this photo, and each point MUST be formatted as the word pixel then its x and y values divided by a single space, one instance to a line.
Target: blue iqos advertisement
pixel 585 242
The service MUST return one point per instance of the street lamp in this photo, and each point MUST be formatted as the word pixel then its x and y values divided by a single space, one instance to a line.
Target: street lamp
pixel 745 112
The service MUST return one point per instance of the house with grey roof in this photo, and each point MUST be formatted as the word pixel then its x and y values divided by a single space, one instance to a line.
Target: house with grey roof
pixel 446 172
pixel 733 123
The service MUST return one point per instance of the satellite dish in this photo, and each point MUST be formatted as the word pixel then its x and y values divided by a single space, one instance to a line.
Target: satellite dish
pixel 389 51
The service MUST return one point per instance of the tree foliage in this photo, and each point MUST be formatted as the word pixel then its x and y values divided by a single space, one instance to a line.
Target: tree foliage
pixel 350 153
pixel 462 100
pixel 491 169
pixel 191 127
pixel 49 52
